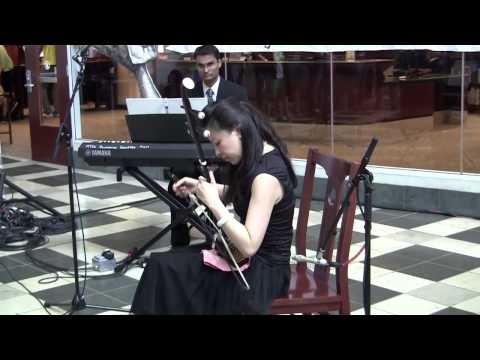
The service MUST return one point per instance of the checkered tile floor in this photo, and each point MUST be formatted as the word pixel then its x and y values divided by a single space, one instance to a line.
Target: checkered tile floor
pixel 421 263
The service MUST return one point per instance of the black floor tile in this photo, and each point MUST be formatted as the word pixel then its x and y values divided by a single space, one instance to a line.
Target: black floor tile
pixel 377 293
pixel 358 237
pixel 50 202
pixel 5 160
pixel 28 205
pixel 28 169
pixel 392 261
pixel 110 283
pixel 385 213
pixel 428 218
pixel 403 219
pixel 62 294
pixel 97 219
pixel 379 216
pixel 430 271
pixel 61 180
pixel 19 273
pixel 10 261
pixel 458 261
pixel 113 190
pixel 96 299
pixel 52 261
pixel 124 294
pixel 126 240
pixel 472 236
pixel 354 305
pixel 411 221
pixel 42 254
pixel 421 253
pixel 313 233
pixel 156 206
pixel 453 311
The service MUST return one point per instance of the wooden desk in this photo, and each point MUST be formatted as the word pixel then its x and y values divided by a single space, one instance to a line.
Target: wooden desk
pixel 422 95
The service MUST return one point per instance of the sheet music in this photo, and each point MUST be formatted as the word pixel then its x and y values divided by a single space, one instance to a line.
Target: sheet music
pixel 142 106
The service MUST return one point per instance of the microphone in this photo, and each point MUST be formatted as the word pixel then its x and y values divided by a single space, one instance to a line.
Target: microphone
pixel 312 260
pixel 200 209
pixel 81 54
pixel 188 83
pixel 191 123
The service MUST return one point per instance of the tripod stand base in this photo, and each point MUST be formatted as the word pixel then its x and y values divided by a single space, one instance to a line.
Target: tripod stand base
pixel 78 304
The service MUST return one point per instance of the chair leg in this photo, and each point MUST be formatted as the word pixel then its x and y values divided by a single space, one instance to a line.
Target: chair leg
pixel 345 307
pixel 10 112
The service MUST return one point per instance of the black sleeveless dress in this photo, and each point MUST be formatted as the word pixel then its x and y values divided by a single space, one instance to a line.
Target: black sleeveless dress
pixel 177 282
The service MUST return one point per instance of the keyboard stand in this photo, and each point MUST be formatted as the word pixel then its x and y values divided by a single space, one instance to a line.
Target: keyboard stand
pixel 184 214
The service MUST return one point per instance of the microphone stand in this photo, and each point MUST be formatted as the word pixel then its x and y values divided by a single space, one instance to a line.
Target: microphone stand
pixel 64 133
pixel 366 176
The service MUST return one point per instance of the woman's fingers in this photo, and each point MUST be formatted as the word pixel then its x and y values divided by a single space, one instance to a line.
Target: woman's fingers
pixel 212 177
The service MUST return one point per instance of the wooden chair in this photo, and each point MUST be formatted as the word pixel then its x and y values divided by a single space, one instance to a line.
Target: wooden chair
pixel 11 106
pixel 316 291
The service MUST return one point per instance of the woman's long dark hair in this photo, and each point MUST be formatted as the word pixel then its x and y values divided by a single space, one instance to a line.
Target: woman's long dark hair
pixel 231 114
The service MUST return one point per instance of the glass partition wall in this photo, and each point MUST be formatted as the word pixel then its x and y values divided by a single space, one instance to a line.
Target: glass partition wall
pixel 422 105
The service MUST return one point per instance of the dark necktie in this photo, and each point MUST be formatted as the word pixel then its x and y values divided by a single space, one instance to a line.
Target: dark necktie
pixel 209 93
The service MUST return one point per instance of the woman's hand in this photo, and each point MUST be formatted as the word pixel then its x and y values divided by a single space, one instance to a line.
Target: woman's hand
pixel 207 192
pixel 185 186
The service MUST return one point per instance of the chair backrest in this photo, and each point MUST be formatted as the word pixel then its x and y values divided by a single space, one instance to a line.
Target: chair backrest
pixel 337 170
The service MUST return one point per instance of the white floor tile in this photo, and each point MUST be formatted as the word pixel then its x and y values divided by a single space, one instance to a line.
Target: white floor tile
pixel 472 305
pixel 91 251
pixel 134 272
pixel 467 280
pixel 161 220
pixel 42 174
pixel 453 245
pixel 33 284
pixel 112 312
pixel 133 213
pixel 444 294
pixel 129 198
pixel 355 271
pixel 7 253
pixel 42 311
pixel 373 311
pixel 385 245
pixel 413 237
pixel 8 292
pixel 408 305
pixel 377 229
pixel 476 271
pixel 18 305
pixel 474 251
pixel 31 187
pixel 400 282
pixel 449 226
pixel 314 218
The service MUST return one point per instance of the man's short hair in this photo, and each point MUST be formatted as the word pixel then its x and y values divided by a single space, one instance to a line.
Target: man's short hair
pixel 207 50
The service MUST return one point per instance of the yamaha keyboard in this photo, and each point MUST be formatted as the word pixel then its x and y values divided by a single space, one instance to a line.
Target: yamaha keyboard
pixel 127 154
